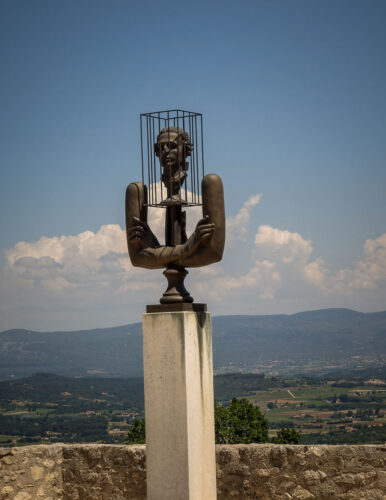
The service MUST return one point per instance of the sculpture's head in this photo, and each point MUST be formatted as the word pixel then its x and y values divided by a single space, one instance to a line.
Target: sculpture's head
pixel 173 146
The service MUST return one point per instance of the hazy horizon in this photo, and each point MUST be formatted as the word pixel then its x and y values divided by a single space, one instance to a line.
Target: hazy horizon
pixel 213 316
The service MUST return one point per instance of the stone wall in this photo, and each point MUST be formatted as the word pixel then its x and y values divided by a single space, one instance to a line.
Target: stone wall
pixel 31 472
pixel 263 472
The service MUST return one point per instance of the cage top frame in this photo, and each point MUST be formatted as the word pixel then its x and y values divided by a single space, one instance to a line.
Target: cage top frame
pixel 156 114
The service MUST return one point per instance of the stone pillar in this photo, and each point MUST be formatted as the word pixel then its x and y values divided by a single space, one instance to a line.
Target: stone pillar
pixel 178 373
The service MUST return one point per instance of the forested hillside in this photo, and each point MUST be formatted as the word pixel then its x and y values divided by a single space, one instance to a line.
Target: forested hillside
pixel 314 342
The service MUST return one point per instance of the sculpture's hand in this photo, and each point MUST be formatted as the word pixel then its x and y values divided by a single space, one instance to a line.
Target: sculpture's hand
pixel 142 234
pixel 204 230
pixel 136 232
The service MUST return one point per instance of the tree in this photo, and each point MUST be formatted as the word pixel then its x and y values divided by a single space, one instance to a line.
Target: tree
pixel 287 436
pixel 137 434
pixel 240 422
pixel 221 424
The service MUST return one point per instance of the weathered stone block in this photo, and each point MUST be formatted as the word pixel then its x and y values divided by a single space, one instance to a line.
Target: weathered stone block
pixel 179 409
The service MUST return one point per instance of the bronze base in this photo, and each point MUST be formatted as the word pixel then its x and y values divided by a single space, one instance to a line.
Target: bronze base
pixel 176 307
pixel 176 291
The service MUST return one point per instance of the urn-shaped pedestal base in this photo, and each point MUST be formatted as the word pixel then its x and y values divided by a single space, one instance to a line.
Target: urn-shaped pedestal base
pixel 176 291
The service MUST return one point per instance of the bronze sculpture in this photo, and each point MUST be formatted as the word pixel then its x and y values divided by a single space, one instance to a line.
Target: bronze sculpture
pixel 205 246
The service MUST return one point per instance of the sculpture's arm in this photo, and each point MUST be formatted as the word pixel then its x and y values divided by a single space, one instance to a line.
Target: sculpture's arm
pixel 139 235
pixel 144 248
pixel 211 248
pixel 162 256
pixel 136 207
pixel 205 246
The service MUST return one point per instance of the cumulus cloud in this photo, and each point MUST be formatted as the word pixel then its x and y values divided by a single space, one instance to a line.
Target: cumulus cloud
pixel 282 268
pixel 283 245
pixel 89 258
pixel 237 225
pixel 315 273
pixel 367 273
pixel 278 261
pixel 75 259
pixel 262 279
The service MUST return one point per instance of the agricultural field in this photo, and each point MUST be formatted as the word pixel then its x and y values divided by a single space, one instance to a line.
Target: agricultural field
pixel 47 408
pixel 327 412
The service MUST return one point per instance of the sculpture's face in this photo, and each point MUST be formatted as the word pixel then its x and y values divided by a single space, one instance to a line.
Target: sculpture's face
pixel 171 150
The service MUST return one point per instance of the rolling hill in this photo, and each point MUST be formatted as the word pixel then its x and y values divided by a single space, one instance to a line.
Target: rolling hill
pixel 307 342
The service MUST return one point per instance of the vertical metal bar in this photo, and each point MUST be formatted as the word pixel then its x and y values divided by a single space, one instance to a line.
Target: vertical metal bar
pixel 195 158
pixel 193 176
pixel 179 163
pixel 186 180
pixel 160 168
pixel 162 127
pixel 154 162
pixel 151 159
pixel 170 177
pixel 196 155
pixel 147 155
pixel 150 187
pixel 143 177
pixel 202 148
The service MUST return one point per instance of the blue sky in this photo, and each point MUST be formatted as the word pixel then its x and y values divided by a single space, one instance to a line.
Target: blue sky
pixel 293 98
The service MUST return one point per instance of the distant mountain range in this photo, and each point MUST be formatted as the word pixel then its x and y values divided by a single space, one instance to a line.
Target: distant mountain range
pixel 313 342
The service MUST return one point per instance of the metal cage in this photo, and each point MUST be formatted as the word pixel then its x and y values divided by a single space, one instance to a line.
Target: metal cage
pixel 189 189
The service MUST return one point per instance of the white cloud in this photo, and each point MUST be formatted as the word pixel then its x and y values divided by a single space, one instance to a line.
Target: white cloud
pixel 75 259
pixel 282 269
pixel 279 258
pixel 367 273
pixel 237 225
pixel 315 273
pixel 283 245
